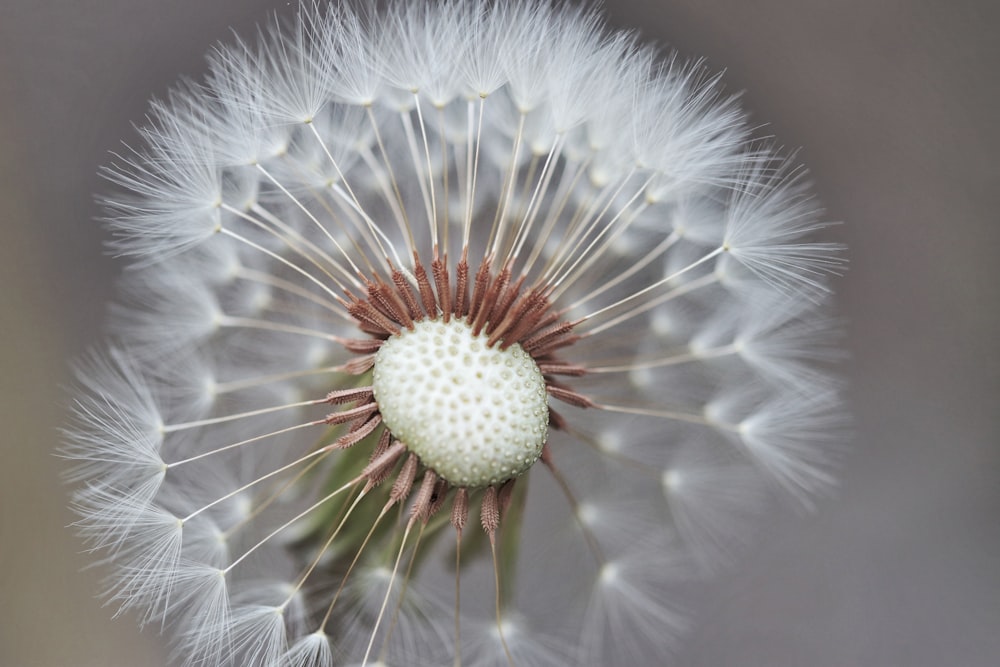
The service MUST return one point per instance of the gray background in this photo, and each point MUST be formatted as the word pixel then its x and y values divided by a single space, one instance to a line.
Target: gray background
pixel 895 106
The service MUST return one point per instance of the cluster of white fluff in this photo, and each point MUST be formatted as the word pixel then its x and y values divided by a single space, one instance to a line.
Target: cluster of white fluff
pixel 342 138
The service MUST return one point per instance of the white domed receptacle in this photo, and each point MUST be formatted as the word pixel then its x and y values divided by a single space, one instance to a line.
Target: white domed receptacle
pixel 476 415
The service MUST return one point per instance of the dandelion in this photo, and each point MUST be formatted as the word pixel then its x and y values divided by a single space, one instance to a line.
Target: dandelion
pixel 454 333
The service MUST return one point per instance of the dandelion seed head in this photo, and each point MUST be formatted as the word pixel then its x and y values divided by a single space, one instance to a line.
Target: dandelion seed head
pixel 437 320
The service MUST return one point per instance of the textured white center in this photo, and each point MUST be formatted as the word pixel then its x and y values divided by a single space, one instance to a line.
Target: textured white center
pixel 474 414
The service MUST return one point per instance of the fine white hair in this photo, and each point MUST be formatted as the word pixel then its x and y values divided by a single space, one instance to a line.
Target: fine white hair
pixel 346 142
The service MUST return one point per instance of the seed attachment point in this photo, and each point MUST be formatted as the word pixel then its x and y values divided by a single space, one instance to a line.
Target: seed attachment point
pixel 475 414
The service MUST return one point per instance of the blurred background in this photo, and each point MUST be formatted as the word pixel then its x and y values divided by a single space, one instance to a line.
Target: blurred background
pixel 895 105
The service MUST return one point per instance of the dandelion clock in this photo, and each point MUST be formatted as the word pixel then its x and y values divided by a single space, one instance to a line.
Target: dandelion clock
pixel 450 333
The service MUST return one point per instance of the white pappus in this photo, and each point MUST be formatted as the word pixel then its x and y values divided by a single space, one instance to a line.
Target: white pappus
pixel 498 221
